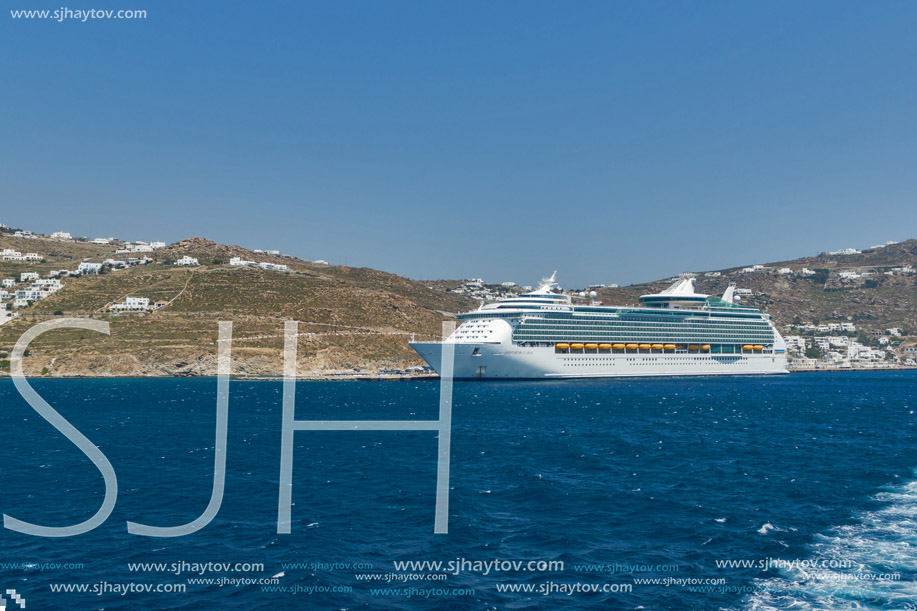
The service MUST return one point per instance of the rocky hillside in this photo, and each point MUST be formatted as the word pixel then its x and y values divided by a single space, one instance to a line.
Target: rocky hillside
pixel 862 288
pixel 350 317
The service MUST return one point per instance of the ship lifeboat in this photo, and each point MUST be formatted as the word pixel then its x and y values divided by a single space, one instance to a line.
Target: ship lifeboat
pixel 705 348
pixel 592 346
pixel 747 348
pixel 632 346
pixel 670 346
pixel 693 347
pixel 618 346
pixel 658 347
pixel 645 347
pixel 576 346
pixel 758 348
pixel 561 346
pixel 604 346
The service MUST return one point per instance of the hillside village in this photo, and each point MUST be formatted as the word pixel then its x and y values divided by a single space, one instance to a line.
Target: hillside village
pixel 849 308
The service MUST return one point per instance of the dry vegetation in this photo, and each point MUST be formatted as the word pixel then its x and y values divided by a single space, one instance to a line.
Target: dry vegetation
pixel 350 318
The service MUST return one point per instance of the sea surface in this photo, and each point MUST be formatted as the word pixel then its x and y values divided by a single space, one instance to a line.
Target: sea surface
pixel 793 492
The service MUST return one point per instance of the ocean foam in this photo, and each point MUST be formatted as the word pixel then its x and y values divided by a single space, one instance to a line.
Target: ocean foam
pixel 876 557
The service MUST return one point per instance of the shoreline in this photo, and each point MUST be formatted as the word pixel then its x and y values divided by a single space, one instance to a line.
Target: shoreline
pixel 413 378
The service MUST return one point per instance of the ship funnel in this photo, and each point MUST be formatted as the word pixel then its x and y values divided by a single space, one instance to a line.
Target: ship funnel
pixel 729 295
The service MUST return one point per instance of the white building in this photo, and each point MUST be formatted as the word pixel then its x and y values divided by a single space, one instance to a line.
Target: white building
pixel 239 261
pixel 89 268
pixel 795 343
pixel 133 304
pixel 894 331
pixel 186 260
pixel 24 234
pixel 157 245
pixel 51 285
pixel 8 283
pixel 61 235
pixel 508 284
pixel 131 248
pixel 28 276
pixel 273 267
pixel 101 241
pixel 713 275
pixel 784 271
pixel 274 252
pixel 805 271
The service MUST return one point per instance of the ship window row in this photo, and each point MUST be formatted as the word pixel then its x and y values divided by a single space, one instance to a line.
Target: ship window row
pixel 647 328
pixel 702 325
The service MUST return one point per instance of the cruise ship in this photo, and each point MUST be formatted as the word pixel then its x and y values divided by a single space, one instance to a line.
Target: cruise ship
pixel 546 334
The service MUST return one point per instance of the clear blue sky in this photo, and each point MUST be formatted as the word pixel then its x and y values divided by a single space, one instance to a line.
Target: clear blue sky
pixel 613 141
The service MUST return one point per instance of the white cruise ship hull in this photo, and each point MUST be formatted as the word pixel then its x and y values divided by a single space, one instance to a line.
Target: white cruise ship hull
pixel 501 361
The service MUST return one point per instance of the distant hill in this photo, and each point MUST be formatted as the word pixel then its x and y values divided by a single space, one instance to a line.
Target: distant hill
pixel 351 317
pixel 361 318
pixel 873 301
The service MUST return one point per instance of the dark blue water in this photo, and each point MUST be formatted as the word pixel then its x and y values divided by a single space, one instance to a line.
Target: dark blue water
pixel 664 478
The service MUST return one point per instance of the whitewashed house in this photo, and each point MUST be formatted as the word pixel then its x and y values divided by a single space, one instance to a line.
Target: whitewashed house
pixel 28 276
pixel 101 241
pixel 61 235
pixel 157 245
pixel 239 261
pixel 186 260
pixel 89 268
pixel 8 283
pixel 133 304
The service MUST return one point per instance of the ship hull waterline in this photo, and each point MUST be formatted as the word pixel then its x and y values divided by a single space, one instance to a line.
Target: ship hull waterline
pixel 496 361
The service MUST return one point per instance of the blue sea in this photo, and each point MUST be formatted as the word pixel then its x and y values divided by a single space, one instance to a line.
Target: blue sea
pixel 793 492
